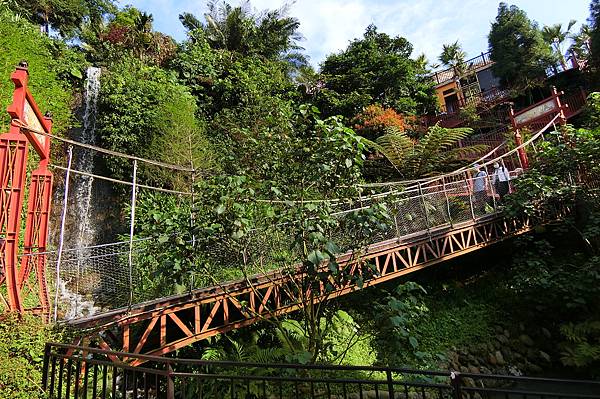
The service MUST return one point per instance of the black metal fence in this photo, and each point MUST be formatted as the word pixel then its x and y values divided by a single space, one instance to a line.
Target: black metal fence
pixel 86 373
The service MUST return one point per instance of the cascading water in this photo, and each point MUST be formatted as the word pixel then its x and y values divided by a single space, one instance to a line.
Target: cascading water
pixel 80 207
pixel 85 161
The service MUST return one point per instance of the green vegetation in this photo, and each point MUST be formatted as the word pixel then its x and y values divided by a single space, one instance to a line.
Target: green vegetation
pixel 54 69
pixel 272 140
pixel 518 49
pixel 21 355
pixel 375 68
pixel 143 111
pixel 434 152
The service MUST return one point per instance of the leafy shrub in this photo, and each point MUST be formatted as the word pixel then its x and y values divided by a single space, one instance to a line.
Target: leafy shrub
pixel 21 356
pixel 582 348
pixel 143 111
pixel 53 67
pixel 374 120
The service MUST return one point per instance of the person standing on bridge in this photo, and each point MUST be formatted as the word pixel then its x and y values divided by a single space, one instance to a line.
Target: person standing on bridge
pixel 480 187
pixel 501 180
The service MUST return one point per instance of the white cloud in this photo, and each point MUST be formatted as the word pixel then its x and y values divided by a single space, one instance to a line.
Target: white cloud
pixel 329 25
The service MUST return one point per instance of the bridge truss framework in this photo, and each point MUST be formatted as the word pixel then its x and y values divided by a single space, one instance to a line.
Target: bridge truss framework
pixel 163 326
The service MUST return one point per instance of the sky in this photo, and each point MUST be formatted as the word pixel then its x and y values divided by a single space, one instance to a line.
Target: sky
pixel 329 25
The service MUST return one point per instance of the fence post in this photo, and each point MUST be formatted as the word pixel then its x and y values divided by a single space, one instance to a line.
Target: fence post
pixel 456 381
pixel 447 200
pixel 170 383
pixel 470 196
pixel 45 367
pixel 131 229
pixel 390 383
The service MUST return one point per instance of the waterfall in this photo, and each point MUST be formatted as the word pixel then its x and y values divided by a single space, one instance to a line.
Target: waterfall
pixel 81 209
pixel 85 162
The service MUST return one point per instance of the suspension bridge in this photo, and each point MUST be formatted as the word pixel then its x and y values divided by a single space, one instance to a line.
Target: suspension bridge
pixel 434 219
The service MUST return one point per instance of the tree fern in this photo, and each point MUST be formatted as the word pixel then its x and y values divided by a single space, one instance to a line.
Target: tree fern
pixel 432 153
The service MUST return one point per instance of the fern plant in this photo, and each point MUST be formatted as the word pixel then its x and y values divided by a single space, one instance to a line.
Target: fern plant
pixel 243 351
pixel 435 152
pixel 582 348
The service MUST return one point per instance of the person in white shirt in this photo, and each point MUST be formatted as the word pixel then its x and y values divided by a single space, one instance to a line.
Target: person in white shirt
pixel 479 187
pixel 500 180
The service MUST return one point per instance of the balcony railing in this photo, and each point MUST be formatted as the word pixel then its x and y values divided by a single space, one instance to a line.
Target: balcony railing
pixel 474 63
pixel 485 98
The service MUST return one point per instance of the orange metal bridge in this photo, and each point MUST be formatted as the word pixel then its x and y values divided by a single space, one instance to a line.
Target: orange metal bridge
pixel 167 324
pixel 446 220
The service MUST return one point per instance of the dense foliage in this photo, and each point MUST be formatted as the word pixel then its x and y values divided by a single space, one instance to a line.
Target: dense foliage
pixel 270 34
pixel 143 111
pixel 273 142
pixel 436 151
pixel 518 49
pixel 53 69
pixel 64 16
pixel 375 68
pixel 21 356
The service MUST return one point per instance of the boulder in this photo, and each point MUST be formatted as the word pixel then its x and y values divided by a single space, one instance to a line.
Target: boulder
pixel 526 340
pixel 499 358
pixel 473 369
pixel 469 382
pixel 502 339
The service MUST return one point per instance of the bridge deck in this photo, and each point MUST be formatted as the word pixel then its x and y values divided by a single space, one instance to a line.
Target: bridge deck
pixel 161 326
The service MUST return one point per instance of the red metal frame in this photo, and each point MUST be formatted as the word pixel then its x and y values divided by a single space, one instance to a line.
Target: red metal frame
pixel 13 170
pixel 164 325
pixel 563 109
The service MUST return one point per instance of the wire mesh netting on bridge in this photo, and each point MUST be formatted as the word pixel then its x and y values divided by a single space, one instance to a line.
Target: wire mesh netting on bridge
pixel 99 265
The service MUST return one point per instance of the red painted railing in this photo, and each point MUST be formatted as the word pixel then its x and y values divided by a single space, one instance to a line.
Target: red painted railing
pixel 576 102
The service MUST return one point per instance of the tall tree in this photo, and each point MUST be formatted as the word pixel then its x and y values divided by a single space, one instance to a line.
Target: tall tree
pixel 453 56
pixel 128 31
pixel 555 36
pixel 581 42
pixel 594 21
pixel 518 49
pixel 271 34
pixel 65 16
pixel 376 68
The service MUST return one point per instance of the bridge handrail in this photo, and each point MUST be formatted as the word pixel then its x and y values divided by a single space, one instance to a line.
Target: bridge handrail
pixel 79 364
pixel 480 161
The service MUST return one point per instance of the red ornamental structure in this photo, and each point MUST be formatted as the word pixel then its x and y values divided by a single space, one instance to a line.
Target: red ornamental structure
pixel 24 278
pixel 537 116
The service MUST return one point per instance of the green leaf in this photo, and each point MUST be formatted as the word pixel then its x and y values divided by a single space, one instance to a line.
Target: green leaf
pixel 76 72
pixel 332 247
pixel 220 209
pixel 316 257
pixel 413 342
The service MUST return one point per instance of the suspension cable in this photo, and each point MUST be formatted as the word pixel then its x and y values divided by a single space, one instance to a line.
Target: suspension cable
pixel 23 126
pixel 61 239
